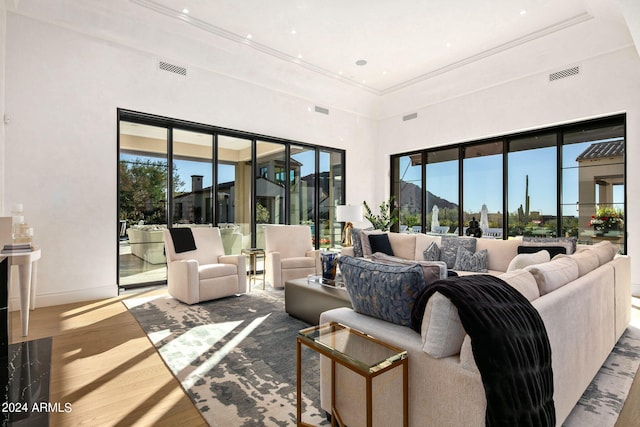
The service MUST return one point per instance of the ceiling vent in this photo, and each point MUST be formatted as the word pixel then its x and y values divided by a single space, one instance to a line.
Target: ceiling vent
pixel 172 68
pixel 409 117
pixel 564 73
pixel 322 110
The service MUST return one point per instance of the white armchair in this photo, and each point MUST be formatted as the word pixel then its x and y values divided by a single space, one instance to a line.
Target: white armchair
pixel 289 254
pixel 205 273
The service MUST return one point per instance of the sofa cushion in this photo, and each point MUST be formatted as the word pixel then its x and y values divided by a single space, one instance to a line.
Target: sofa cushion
pixel 432 270
pixel 554 274
pixel 468 261
pixel 380 243
pixel 211 271
pixel 442 331
pixel 450 245
pixel 604 250
pixel 586 261
pixel 432 253
pixel 524 282
pixel 567 242
pixel 525 260
pixel 387 292
pixel 403 245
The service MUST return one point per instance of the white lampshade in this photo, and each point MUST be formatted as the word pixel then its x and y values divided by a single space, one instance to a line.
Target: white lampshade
pixel 349 213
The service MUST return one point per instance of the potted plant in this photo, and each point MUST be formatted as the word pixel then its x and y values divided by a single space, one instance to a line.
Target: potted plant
pixel 387 217
pixel 606 219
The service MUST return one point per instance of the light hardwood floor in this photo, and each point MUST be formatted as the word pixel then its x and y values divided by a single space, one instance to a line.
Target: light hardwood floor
pixel 106 368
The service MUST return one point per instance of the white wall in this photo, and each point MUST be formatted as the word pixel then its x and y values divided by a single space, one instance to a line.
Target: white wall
pixel 3 22
pixel 62 91
pixel 606 85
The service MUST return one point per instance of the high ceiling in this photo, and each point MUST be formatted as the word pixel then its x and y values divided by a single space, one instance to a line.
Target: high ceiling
pixel 401 42
pixel 314 48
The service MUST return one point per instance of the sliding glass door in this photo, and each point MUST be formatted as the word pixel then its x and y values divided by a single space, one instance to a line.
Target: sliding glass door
pixel 181 174
pixel 143 194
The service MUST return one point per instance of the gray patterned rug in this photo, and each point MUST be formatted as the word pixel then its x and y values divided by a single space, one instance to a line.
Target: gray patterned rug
pixel 235 357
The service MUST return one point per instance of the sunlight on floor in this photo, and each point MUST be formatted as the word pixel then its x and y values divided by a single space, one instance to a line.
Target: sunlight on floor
pixel 209 364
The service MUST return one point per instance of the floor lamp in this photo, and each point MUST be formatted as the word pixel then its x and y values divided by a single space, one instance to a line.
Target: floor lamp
pixel 348 214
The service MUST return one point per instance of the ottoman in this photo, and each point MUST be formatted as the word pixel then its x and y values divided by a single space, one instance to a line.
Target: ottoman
pixel 306 301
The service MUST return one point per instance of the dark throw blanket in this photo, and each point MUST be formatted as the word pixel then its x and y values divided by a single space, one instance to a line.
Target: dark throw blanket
pixel 510 347
pixel 183 240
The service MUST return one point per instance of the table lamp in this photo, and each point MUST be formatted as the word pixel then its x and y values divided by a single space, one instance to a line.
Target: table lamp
pixel 348 214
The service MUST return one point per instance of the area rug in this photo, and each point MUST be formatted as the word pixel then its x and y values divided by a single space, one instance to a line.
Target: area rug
pixel 601 403
pixel 235 358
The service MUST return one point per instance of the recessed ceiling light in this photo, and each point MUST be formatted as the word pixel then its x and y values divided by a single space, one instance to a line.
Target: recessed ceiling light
pixel 384 73
pixel 523 12
pixel 448 44
pixel 299 56
pixel 185 10
pixel 249 36
pixel 293 31
pixel 361 62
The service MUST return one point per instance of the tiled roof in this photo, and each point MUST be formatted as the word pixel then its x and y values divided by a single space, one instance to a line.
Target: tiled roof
pixel 602 149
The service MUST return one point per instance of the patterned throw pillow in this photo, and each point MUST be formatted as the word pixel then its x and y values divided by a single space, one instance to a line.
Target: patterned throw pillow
pixel 567 242
pixel 467 261
pixel 387 292
pixel 356 240
pixel 450 245
pixel 432 253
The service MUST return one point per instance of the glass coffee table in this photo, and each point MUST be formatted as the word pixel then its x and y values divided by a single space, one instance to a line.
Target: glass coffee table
pixel 358 352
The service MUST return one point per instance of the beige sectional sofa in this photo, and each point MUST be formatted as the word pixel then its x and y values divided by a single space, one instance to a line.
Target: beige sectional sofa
pixel 412 247
pixel 584 300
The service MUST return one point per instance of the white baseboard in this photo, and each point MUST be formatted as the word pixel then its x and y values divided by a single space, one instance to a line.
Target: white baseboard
pixel 66 297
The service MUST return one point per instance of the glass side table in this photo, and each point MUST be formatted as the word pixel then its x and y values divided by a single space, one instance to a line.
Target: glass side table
pixel 358 352
pixel 253 254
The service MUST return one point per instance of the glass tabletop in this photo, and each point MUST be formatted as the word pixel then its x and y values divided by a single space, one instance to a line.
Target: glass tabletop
pixel 353 347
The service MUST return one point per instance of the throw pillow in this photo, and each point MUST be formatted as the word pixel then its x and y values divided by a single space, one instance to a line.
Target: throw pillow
pixel 183 240
pixel 366 241
pixel 553 250
pixel 467 261
pixel 432 253
pixel 450 245
pixel 356 239
pixel 380 243
pixel 569 242
pixel 432 270
pixel 387 292
pixel 442 331
pixel 524 260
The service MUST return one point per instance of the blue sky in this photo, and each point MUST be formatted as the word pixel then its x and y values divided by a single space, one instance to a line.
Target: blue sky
pixel 483 180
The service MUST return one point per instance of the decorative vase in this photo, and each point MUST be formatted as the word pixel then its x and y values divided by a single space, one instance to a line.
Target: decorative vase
pixel 329 263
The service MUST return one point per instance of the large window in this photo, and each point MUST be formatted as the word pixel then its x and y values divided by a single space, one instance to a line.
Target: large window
pixel 482 185
pixel 532 193
pixel 180 174
pixel 563 181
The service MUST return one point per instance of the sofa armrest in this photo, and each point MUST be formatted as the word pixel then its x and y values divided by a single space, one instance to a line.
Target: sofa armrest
pixel 273 269
pixel 183 281
pixel 240 261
